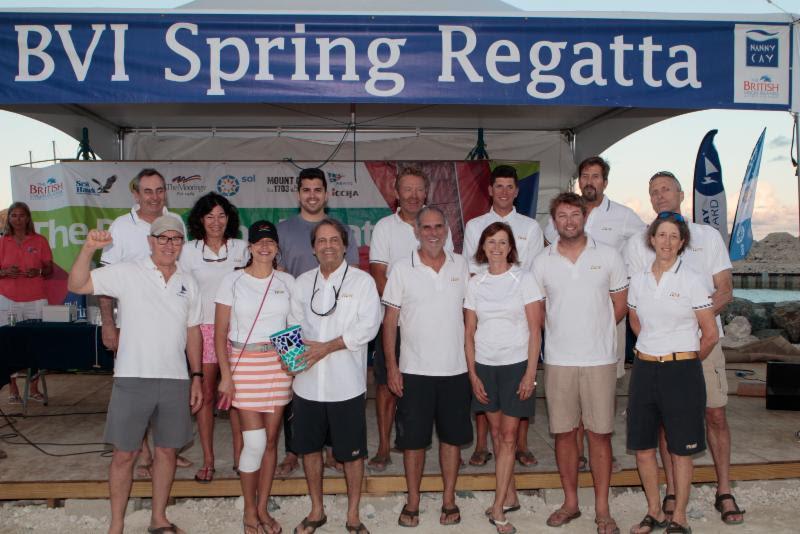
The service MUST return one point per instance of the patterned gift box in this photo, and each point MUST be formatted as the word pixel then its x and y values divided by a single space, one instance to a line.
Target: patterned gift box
pixel 289 344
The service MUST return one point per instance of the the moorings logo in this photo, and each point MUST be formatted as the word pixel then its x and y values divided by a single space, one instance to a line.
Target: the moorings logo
pixel 187 185
pixel 761 48
pixel 49 188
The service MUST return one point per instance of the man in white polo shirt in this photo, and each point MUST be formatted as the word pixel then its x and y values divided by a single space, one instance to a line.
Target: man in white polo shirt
pixel 425 295
pixel 585 287
pixel 707 254
pixel 152 385
pixel 393 238
pixel 503 190
pixel 338 308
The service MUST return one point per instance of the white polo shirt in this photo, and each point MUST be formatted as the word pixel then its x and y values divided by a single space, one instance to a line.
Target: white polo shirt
pixel 210 273
pixel 152 339
pixel 527 236
pixel 129 233
pixel 341 375
pixel 579 319
pixel 666 309
pixel 393 239
pixel 609 223
pixel 431 316
pixel 706 254
pixel 499 302
pixel 243 293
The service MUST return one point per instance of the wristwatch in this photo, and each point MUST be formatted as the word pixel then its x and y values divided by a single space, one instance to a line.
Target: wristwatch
pixel 197 373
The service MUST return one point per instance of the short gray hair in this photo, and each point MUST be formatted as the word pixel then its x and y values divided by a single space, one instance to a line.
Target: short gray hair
pixel 425 210
pixel 142 174
pixel 667 174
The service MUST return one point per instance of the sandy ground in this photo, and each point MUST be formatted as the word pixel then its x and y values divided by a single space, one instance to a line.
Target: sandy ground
pixel 771 507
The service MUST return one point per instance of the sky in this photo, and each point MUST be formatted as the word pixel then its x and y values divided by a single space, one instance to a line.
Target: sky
pixel 668 145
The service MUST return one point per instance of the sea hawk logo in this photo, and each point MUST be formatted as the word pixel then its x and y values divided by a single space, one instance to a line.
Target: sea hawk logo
pixel 761 49
pixel 105 188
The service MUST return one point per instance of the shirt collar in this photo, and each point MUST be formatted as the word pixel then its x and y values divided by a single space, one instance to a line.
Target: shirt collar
pixel 137 219
pixel 507 217
pixel 417 262
pixel 335 275
pixel 590 243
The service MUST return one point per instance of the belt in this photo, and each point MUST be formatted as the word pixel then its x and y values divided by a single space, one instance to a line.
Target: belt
pixel 672 357
pixel 261 346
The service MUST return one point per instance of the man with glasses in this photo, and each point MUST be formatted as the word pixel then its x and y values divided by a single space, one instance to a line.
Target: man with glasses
pixel 707 254
pixel 129 234
pixel 296 257
pixel 152 386
pixel 339 312
pixel 394 238
pixel 425 295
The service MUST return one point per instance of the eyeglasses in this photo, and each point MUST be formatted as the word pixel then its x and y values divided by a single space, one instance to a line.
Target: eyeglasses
pixel 314 292
pixel 163 240
pixel 667 214
pixel 213 260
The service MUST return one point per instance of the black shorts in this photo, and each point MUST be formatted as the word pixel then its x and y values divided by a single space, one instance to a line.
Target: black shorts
pixel 443 399
pixel 501 383
pixel 672 394
pixel 343 423
pixel 379 360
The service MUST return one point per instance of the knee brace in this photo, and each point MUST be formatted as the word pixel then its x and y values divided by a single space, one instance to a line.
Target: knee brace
pixel 255 443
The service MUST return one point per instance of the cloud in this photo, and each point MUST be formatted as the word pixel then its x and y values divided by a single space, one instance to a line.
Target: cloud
pixel 779 158
pixel 780 141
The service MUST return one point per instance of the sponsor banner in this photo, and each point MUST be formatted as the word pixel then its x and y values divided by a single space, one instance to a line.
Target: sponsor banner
pixel 761 64
pixel 742 232
pixel 710 204
pixel 74 58
pixel 69 199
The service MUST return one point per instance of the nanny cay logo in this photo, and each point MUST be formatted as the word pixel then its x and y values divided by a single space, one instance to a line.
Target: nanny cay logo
pixel 761 48
pixel 187 186
pixel 50 188
pixel 94 187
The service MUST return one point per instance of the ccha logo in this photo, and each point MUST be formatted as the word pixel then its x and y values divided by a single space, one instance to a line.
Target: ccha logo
pixel 84 187
pixel 761 49
pixel 227 185
pixel 50 188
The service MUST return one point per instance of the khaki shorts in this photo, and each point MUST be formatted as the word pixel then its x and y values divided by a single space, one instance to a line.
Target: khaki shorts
pixel 576 394
pixel 620 346
pixel 716 379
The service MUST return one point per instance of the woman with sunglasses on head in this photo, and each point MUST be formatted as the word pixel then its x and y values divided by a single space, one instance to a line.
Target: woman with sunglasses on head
pixel 668 304
pixel 252 304
pixel 213 253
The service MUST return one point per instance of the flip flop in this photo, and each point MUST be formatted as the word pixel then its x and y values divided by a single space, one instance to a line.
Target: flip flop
pixel 726 515
pixel 413 514
pixel 144 471
pixel 205 475
pixel 651 523
pixel 268 527
pixel 668 513
pixel 561 517
pixel 677 528
pixel 606 523
pixel 14 399
pixel 308 523
pixel 583 463
pixel 506 510
pixel 500 524
pixel 358 529
pixel 526 458
pixel 171 528
pixel 447 513
pixel 286 467
pixel 480 458
pixel 378 464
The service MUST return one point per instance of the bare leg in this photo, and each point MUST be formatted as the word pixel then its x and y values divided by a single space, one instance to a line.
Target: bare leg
pixel 600 463
pixel 312 465
pixel 683 469
pixel 413 463
pixel 504 438
pixel 449 461
pixel 385 404
pixel 205 417
pixel 567 461
pixel 581 450
pixel 647 464
pixel 669 471
pixel 353 475
pixel 272 422
pixel 120 478
pixel 522 433
pixel 236 431
pixel 718 434
pixel 163 475
pixel 481 433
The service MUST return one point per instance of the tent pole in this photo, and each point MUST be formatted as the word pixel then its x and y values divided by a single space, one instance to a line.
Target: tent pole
pixel 797 167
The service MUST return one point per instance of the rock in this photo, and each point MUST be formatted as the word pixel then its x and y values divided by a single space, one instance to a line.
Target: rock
pixel 737 308
pixel 787 316
pixel 272 505
pixel 770 332
pixel 737 333
pixel 757 313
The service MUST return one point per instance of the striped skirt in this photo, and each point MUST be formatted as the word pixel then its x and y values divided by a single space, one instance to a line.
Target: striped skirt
pixel 260 383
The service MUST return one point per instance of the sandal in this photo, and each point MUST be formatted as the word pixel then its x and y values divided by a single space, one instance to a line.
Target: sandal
pixel 14 399
pixel 308 523
pixel 606 525
pixel 205 474
pixel 269 527
pixel 413 516
pixel 144 471
pixel 668 513
pixel 358 529
pixel 447 512
pixel 726 515
pixel 249 529
pixel 583 463
pixel 561 517
pixel 378 463
pixel 526 458
pixel 677 528
pixel 502 526
pixel 480 458
pixel 651 523
pixel 506 510
pixel 38 397
pixel 164 530
pixel 285 468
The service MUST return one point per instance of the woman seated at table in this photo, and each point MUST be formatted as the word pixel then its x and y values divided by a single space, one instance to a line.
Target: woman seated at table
pixel 25 261
pixel 502 321
pixel 668 304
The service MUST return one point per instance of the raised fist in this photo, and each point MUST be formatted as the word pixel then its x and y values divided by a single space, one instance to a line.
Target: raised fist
pixel 97 239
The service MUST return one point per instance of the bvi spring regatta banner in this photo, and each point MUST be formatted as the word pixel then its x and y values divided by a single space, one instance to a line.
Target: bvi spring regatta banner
pixel 69 199
pixel 742 232
pixel 710 205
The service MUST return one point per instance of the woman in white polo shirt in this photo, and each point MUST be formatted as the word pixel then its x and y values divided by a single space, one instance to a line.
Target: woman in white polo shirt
pixel 668 304
pixel 252 304
pixel 502 340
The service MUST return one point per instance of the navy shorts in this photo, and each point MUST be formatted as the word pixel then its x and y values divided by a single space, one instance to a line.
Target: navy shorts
pixel 501 383
pixel 341 424
pixel 379 360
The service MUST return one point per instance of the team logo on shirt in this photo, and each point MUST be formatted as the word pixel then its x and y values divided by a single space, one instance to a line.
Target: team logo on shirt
pixel 521 238
pixel 183 291
pixel 595 267
pixel 674 294
pixel 455 279
pixel 606 228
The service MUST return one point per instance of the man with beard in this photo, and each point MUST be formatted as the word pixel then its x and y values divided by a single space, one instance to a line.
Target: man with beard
pixel 296 256
pixel 707 254
pixel 585 287
pixel 393 238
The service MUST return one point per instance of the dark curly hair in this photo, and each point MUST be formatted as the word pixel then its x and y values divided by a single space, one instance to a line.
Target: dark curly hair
pixel 203 207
